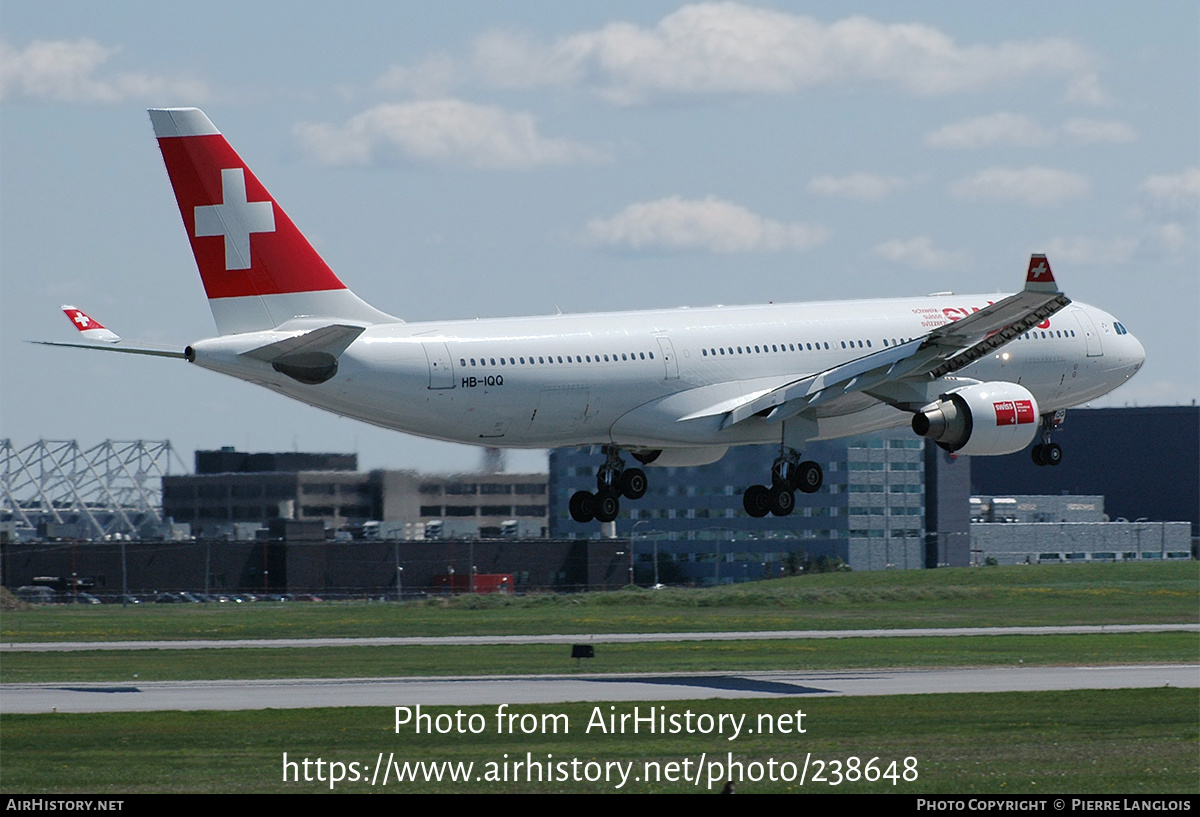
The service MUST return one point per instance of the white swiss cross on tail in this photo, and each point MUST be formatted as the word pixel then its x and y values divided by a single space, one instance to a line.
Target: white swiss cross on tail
pixel 235 218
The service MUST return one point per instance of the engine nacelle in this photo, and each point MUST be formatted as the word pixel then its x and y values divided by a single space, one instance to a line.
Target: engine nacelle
pixel 987 418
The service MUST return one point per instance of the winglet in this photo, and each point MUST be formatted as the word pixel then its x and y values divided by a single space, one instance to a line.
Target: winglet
pixel 1039 278
pixel 88 326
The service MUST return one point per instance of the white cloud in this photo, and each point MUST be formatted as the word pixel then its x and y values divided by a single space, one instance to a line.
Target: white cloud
pixel 1017 130
pixel 919 253
pixel 727 48
pixel 858 186
pixel 442 130
pixel 711 224
pixel 1089 250
pixel 1036 186
pixel 69 71
pixel 1171 237
pixel 1174 190
pixel 1003 128
pixel 1085 87
pixel 1095 131
pixel 429 78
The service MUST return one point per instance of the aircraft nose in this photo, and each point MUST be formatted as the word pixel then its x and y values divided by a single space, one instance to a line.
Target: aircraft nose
pixel 1133 356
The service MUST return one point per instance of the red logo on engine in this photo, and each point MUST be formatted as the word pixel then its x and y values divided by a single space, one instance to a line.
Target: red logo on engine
pixel 1014 412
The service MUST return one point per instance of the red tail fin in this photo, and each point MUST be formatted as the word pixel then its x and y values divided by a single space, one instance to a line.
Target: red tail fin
pixel 257 268
pixel 1039 278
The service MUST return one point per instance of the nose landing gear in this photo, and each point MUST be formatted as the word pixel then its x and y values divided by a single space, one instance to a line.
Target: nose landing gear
pixel 1046 452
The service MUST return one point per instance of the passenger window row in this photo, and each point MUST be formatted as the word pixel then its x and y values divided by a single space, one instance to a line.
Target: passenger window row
pixel 1050 333
pixel 720 351
pixel 542 360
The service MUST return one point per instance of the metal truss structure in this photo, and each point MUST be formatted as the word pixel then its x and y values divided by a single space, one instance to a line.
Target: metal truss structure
pixel 112 488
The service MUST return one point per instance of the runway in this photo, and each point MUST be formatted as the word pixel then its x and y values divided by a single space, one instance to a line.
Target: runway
pixel 391 692
pixel 595 638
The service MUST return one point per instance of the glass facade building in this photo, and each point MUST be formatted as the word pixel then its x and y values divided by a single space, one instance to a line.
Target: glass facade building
pixel 870 512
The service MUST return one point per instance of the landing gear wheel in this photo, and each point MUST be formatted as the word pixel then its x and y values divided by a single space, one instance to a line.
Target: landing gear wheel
pixel 1052 454
pixel 582 506
pixel 607 507
pixel 1038 454
pixel 633 483
pixel 780 499
pixel 756 501
pixel 808 477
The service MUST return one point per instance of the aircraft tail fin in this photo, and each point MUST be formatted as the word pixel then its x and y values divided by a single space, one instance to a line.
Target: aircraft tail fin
pixel 88 326
pixel 258 270
pixel 100 337
pixel 1039 278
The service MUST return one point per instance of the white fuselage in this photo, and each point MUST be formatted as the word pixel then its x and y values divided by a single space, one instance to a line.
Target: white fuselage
pixel 632 379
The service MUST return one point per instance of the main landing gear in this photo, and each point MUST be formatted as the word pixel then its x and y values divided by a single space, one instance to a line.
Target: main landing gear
pixel 613 481
pixel 788 474
pixel 1046 452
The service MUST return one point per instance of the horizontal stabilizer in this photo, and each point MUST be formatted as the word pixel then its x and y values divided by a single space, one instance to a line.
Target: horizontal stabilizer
pixel 310 358
pixel 331 340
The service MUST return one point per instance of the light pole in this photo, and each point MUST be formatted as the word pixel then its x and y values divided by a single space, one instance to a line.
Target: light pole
pixel 399 570
pixel 632 541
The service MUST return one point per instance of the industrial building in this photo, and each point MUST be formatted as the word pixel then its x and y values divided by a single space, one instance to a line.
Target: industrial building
pixel 1145 462
pixel 296 558
pixel 53 489
pixel 233 493
pixel 1067 528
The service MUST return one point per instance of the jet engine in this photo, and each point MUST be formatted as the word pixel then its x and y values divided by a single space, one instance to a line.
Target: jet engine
pixel 987 418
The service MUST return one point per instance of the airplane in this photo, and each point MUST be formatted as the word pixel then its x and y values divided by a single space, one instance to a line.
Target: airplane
pixel 975 374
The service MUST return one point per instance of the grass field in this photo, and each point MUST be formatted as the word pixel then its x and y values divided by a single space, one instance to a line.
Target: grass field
pixel 1019 595
pixel 1122 741
pixel 678 656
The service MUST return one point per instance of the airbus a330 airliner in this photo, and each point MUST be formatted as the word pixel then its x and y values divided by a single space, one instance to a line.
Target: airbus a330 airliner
pixel 978 375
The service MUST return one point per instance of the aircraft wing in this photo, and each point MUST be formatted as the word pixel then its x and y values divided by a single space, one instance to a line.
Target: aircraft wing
pixel 942 351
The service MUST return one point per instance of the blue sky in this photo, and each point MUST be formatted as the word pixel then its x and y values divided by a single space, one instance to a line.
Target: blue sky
pixel 502 158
